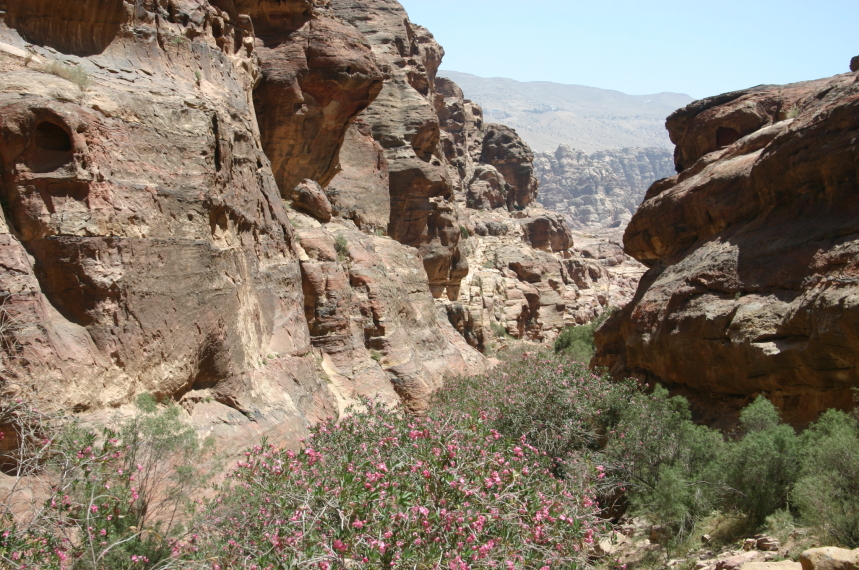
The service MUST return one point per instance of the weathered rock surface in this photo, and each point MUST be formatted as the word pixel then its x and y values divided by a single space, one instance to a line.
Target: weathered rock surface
pixel 829 558
pixel 195 195
pixel 603 189
pixel 361 190
pixel 373 319
pixel 534 293
pixel 512 157
pixel 317 74
pixel 753 254
pixel 310 198
pixel 404 122
pixel 144 238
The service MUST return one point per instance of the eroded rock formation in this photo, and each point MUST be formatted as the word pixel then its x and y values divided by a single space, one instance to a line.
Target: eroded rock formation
pixel 145 238
pixel 260 209
pixel 753 253
pixel 602 189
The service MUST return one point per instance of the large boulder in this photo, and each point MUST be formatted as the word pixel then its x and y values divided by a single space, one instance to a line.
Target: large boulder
pixel 507 152
pixel 829 558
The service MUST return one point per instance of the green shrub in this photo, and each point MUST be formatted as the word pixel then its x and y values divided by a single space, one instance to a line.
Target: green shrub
pixel 663 461
pixel 761 468
pixel 578 342
pixel 499 330
pixel 341 246
pixel 827 493
pixel 115 498
pixel 554 403
pixel 463 231
pixel 381 489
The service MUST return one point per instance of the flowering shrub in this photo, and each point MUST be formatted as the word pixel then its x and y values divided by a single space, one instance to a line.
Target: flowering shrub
pixel 557 404
pixel 109 500
pixel 384 490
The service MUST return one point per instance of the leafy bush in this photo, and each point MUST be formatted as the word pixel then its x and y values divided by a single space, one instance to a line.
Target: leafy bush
pixel 392 491
pixel 114 499
pixel 761 467
pixel 556 404
pixel 341 246
pixel 578 342
pixel 827 493
pixel 665 462
pixel 499 330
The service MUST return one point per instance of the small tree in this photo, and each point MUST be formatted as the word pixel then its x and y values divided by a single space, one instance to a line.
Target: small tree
pixel 761 467
pixel 827 493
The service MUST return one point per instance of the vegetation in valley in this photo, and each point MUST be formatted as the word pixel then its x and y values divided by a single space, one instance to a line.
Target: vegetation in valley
pixel 577 342
pixel 520 467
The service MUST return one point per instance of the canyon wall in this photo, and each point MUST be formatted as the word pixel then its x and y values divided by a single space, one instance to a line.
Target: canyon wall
pixel 261 210
pixel 603 189
pixel 147 178
pixel 752 252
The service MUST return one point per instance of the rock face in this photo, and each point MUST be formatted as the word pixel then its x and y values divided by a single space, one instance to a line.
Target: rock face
pixel 260 209
pixel 602 189
pixel 525 275
pixel 145 241
pixel 829 558
pixel 753 253
pixel 503 149
pixel 404 123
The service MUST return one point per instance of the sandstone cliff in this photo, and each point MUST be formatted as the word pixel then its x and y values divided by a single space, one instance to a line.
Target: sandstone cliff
pixel 150 153
pixel 753 253
pixel 261 210
pixel 602 189
pixel 530 275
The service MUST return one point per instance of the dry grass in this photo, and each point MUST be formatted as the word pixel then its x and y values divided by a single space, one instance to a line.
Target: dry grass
pixel 75 74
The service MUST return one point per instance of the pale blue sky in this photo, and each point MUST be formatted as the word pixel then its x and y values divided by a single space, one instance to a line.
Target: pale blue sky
pixel 641 47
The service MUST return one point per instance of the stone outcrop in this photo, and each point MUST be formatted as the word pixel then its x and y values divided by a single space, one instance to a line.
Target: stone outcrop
pixel 512 157
pixel 262 210
pixel 829 558
pixel 534 293
pixel 404 122
pixel 602 189
pixel 148 150
pixel 752 252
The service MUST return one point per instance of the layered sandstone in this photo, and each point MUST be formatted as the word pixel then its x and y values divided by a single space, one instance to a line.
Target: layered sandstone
pixel 527 275
pixel 602 189
pixel 145 238
pixel 753 253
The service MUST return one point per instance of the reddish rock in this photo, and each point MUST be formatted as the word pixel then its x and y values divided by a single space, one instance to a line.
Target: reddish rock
pixel 487 189
pixel 315 79
pixel 144 242
pixel 753 263
pixel 548 232
pixel 309 197
pixel 403 120
pixel 372 317
pixel 361 190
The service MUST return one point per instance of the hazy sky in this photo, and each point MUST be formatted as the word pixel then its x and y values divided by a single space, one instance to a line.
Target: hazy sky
pixel 640 47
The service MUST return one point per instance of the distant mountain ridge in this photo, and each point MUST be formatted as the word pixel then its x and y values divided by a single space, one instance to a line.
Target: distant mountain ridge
pixel 547 115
